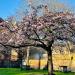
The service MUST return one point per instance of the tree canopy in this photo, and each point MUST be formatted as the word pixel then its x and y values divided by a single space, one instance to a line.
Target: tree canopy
pixel 38 31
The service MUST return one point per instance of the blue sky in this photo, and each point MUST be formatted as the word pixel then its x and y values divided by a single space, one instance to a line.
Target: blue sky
pixel 8 7
pixel 70 3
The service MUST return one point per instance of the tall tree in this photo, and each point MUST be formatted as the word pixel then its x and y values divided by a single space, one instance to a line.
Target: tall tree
pixel 40 31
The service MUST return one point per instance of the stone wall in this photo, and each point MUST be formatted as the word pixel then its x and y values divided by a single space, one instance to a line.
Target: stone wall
pixel 58 61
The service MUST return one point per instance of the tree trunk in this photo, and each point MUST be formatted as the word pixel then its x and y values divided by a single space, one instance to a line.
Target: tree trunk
pixel 50 63
pixel 27 58
pixel 39 64
pixel 20 56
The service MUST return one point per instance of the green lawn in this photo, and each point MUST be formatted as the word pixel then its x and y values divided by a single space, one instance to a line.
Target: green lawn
pixel 15 71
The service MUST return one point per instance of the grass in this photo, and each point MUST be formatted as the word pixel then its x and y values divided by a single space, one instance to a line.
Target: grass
pixel 17 71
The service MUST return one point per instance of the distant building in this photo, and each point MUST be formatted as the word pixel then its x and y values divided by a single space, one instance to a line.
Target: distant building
pixel 1 20
pixel 63 60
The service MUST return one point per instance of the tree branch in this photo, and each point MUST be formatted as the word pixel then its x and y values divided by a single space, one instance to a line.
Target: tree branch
pixel 24 45
pixel 38 38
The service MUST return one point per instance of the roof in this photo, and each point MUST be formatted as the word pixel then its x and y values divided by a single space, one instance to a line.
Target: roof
pixel 1 20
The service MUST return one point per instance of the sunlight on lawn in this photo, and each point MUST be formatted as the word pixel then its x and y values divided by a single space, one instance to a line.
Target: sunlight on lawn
pixel 17 71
